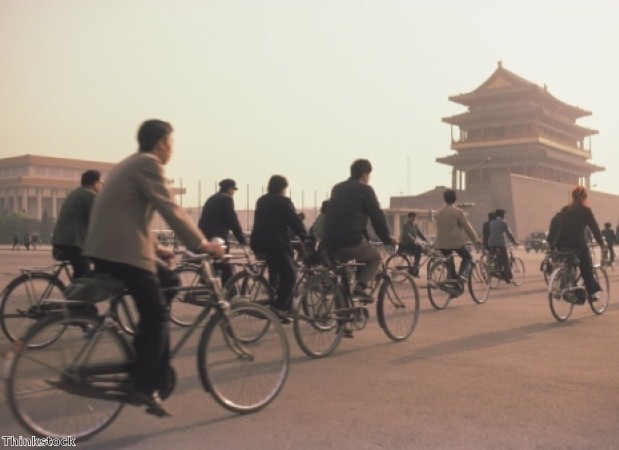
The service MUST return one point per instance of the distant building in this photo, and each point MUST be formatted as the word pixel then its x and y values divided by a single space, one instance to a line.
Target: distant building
pixel 517 148
pixel 33 184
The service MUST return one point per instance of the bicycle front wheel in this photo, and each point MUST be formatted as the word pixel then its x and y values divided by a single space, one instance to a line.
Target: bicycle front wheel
pixel 187 304
pixel 600 305
pixel 479 287
pixel 398 306
pixel 43 384
pixel 517 271
pixel 23 303
pixel 316 327
pixel 243 375
pixel 438 274
pixel 557 285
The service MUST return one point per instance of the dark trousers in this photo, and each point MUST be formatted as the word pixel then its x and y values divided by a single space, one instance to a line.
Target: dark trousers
pixel 507 266
pixel 79 263
pixel 282 276
pixel 151 343
pixel 411 249
pixel 465 255
pixel 586 271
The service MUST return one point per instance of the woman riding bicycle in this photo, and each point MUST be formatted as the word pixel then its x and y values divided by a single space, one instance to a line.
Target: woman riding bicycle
pixel 574 219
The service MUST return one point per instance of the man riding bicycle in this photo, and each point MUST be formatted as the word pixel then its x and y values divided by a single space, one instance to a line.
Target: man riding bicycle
pixel 121 244
pixel 409 238
pixel 451 224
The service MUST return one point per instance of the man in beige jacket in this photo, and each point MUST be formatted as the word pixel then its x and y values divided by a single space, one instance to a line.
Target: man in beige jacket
pixel 120 243
pixel 451 226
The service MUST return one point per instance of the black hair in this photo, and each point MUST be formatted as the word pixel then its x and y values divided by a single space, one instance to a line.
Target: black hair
pixel 499 213
pixel 412 214
pixel 90 177
pixel 323 207
pixel 359 168
pixel 151 132
pixel 277 184
pixel 449 196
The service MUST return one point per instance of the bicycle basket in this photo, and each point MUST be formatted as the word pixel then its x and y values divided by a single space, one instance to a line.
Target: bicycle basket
pixel 96 289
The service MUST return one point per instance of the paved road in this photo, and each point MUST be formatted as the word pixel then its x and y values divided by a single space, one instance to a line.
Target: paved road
pixel 503 374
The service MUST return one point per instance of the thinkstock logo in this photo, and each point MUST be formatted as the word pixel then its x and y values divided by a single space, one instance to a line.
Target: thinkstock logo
pixel 33 441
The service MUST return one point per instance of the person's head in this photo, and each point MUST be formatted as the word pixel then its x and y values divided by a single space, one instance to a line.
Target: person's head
pixel 449 196
pixel 155 136
pixel 411 216
pixel 228 186
pixel 360 170
pixel 92 179
pixel 277 184
pixel 607 225
pixel 499 213
pixel 491 215
pixel 579 196
pixel 323 207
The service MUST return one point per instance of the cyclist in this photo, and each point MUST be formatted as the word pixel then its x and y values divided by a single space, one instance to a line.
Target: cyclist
pixel 573 221
pixel 485 230
pixel 451 224
pixel 345 233
pixel 121 244
pixel 275 216
pixel 611 239
pixel 496 241
pixel 408 242
pixel 218 218
pixel 72 223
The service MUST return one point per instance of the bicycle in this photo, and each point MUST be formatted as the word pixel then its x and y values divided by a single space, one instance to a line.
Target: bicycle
pixel 566 289
pixel 85 373
pixel 404 261
pixel 495 272
pixel 443 284
pixel 24 300
pixel 327 309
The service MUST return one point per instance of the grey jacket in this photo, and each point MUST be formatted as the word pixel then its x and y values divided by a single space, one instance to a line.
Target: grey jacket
pixel 498 230
pixel 451 227
pixel 119 222
pixel 72 221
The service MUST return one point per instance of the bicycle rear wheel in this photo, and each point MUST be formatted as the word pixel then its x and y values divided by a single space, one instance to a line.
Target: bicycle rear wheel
pixel 398 306
pixel 517 271
pixel 23 303
pixel 243 376
pixel 600 305
pixel 316 327
pixel 187 304
pixel 479 287
pixel 557 285
pixel 39 393
pixel 438 274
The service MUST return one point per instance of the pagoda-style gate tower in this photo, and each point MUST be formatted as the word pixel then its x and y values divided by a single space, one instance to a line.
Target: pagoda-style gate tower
pixel 513 126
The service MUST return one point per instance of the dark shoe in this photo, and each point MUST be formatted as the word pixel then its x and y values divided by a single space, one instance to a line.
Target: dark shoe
pixel 462 279
pixel 282 315
pixel 362 296
pixel 347 333
pixel 152 401
pixel 593 298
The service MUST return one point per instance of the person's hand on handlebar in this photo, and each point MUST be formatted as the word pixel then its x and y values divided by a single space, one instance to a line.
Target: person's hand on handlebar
pixel 213 248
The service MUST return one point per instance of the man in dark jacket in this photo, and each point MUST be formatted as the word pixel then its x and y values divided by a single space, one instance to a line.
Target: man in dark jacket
pixel 275 215
pixel 72 223
pixel 345 235
pixel 219 218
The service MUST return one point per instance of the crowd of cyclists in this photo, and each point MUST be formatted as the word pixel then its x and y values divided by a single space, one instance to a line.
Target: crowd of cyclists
pixel 106 229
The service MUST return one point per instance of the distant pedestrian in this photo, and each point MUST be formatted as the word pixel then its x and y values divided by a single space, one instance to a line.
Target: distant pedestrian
pixel 611 239
pixel 27 241
pixel 16 243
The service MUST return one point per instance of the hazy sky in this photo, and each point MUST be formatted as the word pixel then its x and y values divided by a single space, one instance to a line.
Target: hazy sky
pixel 294 87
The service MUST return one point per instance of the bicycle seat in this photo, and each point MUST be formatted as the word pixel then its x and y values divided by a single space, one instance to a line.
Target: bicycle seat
pixel 98 287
